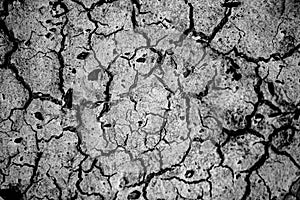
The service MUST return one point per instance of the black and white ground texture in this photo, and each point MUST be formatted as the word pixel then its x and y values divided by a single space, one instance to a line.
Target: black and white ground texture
pixel 149 99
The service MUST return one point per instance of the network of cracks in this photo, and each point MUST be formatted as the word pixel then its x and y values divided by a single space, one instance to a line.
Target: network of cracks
pixel 150 99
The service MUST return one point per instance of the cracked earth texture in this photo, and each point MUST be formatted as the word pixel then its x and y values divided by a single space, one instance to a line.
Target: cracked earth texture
pixel 150 99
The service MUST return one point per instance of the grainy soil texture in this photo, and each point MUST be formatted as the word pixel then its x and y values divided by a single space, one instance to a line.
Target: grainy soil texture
pixel 149 99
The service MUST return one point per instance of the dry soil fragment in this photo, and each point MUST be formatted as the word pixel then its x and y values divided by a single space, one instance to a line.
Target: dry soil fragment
pixel 93 75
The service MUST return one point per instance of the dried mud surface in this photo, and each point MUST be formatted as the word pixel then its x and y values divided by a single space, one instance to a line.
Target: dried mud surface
pixel 149 99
